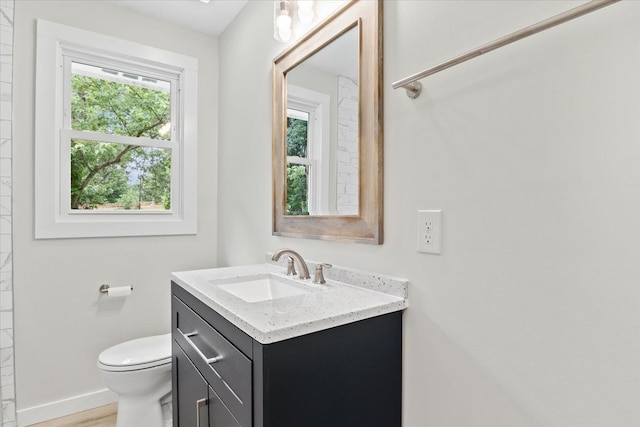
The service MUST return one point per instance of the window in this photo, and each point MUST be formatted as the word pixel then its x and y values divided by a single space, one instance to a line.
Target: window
pixel 299 166
pixel 115 137
pixel 308 152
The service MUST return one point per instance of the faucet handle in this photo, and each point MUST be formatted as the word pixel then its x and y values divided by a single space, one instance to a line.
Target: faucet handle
pixel 319 276
pixel 291 269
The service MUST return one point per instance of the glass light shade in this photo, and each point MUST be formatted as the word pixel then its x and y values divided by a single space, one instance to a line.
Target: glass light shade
pixel 282 20
pixel 284 34
pixel 306 15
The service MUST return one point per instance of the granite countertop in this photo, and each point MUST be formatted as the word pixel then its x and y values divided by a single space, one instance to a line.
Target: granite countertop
pixel 348 296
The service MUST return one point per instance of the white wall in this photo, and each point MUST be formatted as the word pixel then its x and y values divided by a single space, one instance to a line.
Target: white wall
pixel 531 316
pixel 61 322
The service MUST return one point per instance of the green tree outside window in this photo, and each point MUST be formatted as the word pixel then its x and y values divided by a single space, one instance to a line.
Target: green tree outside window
pixel 297 175
pixel 113 175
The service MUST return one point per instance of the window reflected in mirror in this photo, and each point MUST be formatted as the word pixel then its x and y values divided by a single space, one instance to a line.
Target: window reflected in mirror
pixel 299 166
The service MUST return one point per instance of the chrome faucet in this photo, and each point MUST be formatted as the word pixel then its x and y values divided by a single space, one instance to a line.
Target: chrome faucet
pixel 302 265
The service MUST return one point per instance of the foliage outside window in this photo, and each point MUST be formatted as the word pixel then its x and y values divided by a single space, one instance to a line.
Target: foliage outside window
pixel 119 175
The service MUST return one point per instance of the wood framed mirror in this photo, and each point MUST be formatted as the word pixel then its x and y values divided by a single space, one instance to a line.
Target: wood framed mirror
pixel 327 130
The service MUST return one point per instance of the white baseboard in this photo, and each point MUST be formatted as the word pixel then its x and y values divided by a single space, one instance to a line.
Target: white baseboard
pixel 61 408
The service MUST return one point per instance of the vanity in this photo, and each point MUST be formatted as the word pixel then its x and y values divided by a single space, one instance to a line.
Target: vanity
pixel 253 347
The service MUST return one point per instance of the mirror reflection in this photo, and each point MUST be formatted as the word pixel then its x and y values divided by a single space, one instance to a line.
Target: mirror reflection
pixel 322 131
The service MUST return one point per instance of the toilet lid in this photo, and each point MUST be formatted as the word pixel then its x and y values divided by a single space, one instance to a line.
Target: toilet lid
pixel 140 353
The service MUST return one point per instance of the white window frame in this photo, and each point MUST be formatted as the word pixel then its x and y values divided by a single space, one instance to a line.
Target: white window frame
pixel 57 46
pixel 317 105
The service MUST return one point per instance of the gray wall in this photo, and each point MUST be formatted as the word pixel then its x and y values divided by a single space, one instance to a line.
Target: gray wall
pixel 531 316
pixel 61 323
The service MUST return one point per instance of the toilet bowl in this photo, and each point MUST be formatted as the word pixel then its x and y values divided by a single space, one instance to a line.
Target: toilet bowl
pixel 139 371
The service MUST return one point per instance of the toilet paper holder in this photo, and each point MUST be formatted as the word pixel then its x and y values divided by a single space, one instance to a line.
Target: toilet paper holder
pixel 105 288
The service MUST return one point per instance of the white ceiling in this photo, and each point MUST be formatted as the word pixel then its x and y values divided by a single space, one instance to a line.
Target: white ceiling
pixel 209 18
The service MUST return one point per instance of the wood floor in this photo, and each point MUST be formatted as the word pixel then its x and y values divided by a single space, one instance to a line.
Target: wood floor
pixel 104 416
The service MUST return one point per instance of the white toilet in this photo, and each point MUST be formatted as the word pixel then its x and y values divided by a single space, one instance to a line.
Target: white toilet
pixel 139 371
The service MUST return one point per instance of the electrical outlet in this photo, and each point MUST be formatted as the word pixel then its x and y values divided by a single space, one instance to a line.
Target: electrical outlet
pixel 429 232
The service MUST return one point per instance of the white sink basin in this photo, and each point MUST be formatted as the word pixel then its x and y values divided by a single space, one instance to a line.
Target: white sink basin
pixel 261 288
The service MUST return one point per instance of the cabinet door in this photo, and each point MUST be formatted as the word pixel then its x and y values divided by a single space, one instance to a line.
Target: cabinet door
pixel 219 415
pixel 190 394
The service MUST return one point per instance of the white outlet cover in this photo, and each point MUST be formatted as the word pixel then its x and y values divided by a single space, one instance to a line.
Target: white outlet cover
pixel 429 232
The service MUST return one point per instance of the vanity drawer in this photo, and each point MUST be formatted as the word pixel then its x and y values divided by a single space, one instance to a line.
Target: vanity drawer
pixel 224 367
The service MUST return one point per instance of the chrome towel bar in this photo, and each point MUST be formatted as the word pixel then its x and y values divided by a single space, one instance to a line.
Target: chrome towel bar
pixel 413 87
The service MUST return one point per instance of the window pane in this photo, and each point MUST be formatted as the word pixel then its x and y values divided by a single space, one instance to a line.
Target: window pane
pixel 113 176
pixel 297 137
pixel 297 190
pixel 120 103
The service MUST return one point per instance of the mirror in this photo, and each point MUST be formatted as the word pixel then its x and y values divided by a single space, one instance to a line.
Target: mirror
pixel 327 129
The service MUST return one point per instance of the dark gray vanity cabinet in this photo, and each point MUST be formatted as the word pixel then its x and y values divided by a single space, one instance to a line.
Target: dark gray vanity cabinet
pixel 347 376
